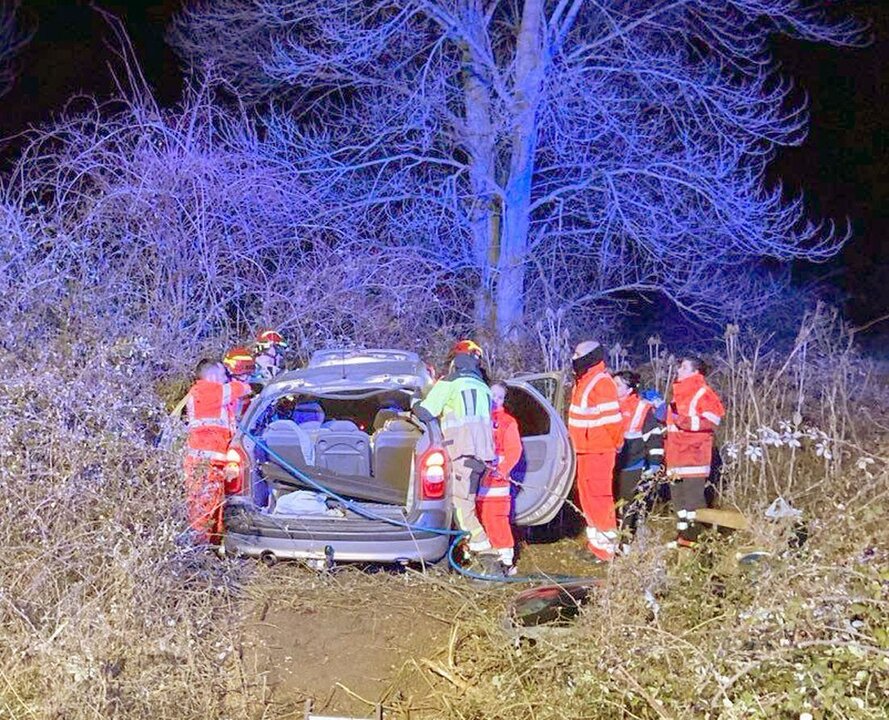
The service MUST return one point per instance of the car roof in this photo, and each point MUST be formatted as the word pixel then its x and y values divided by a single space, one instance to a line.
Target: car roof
pixel 386 369
pixel 358 356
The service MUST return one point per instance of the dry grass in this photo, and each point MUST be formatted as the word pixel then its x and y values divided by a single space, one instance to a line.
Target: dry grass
pixel 103 615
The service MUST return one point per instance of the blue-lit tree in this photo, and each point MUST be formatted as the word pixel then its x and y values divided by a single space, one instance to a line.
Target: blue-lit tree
pixel 12 39
pixel 569 153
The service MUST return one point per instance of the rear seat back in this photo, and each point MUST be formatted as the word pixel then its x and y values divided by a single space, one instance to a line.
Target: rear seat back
pixel 342 448
pixel 290 441
pixel 394 447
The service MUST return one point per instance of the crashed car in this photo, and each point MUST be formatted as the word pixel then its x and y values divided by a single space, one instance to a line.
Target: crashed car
pixel 344 423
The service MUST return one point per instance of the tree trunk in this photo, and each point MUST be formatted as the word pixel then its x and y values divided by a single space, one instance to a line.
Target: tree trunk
pixel 484 212
pixel 530 62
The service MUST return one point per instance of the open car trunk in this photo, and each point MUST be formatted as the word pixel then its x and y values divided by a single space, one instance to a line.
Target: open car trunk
pixel 360 448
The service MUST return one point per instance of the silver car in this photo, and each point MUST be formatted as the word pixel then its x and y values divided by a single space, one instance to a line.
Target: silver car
pixel 344 423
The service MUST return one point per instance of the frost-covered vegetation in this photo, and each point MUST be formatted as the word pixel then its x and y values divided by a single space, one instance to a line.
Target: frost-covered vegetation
pixel 135 239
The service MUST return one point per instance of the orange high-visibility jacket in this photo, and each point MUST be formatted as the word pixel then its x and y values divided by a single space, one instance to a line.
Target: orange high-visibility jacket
pixel 210 420
pixel 643 435
pixel 508 446
pixel 690 427
pixel 239 400
pixel 594 419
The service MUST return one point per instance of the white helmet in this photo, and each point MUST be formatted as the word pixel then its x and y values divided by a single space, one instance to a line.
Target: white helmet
pixel 584 348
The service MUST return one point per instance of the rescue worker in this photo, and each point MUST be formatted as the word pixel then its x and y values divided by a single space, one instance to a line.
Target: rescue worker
pixel 594 423
pixel 269 351
pixel 640 458
pixel 240 366
pixel 693 415
pixel 210 428
pixel 462 403
pixel 494 499
pixel 472 348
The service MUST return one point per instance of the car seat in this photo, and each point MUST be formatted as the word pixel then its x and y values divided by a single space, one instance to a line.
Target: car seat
pixel 306 412
pixel 294 445
pixel 394 446
pixel 342 448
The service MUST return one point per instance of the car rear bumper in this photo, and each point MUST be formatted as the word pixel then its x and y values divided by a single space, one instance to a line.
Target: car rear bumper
pixel 251 533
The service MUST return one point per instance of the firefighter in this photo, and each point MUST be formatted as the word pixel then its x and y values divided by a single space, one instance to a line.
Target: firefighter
pixel 240 365
pixel 462 403
pixel 268 354
pixel 640 458
pixel 693 415
pixel 494 499
pixel 472 348
pixel 210 428
pixel 594 423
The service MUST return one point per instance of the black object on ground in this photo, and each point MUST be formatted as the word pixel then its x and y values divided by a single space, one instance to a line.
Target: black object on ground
pixel 547 607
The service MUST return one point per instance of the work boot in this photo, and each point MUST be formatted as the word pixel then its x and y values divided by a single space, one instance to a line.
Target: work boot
pixel 488 567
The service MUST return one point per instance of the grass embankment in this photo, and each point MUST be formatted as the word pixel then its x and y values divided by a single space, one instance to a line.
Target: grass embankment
pixel 102 615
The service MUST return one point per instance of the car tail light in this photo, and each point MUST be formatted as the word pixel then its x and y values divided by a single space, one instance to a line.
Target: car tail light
pixel 432 475
pixel 236 465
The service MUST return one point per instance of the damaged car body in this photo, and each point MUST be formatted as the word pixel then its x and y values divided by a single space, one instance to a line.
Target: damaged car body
pixel 344 422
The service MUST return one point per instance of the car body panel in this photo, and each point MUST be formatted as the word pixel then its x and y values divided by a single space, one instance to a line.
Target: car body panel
pixel 547 463
pixel 251 531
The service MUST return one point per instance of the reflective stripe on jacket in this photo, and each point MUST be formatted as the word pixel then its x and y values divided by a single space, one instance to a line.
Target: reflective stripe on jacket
pixel 690 427
pixel 210 419
pixel 643 435
pixel 462 403
pixel 594 419
pixel 508 446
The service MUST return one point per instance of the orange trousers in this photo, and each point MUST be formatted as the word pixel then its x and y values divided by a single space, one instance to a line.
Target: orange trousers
pixel 595 491
pixel 493 513
pixel 204 498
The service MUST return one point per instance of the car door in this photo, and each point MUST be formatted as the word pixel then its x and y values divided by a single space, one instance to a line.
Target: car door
pixel 546 471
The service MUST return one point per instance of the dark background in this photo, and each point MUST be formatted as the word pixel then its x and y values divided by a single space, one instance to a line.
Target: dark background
pixel 841 167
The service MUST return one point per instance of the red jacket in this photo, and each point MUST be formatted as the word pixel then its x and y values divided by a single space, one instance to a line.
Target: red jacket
pixel 508 446
pixel 240 399
pixel 692 418
pixel 210 420
pixel 594 419
pixel 213 413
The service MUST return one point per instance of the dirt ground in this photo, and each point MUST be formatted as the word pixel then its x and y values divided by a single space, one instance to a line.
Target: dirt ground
pixel 357 636
pixel 354 637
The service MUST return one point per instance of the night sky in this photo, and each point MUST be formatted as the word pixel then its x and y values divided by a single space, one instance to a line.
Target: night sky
pixel 842 167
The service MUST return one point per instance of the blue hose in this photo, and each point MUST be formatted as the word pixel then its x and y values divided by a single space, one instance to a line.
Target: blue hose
pixel 456 535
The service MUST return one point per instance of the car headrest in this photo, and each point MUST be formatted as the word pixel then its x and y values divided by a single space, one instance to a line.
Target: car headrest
pixel 281 426
pixel 341 426
pixel 308 412
pixel 400 425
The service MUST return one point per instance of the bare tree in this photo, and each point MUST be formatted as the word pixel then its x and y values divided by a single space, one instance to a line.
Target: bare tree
pixel 12 40
pixel 569 152
pixel 189 224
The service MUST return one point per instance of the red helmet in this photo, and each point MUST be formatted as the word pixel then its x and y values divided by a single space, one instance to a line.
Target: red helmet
pixel 467 347
pixel 267 337
pixel 239 361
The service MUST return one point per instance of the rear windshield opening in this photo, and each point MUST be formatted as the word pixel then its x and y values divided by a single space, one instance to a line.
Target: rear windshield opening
pixel 368 413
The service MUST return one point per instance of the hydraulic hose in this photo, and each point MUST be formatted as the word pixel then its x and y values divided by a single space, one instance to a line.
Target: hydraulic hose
pixel 455 535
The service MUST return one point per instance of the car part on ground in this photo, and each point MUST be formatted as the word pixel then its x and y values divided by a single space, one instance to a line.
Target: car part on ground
pixel 547 610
